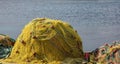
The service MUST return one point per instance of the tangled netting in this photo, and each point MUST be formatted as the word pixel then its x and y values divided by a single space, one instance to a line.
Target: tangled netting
pixel 105 54
pixel 6 44
pixel 46 41
pixel 109 54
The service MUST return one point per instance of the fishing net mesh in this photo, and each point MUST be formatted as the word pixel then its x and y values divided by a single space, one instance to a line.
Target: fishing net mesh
pixel 6 44
pixel 46 41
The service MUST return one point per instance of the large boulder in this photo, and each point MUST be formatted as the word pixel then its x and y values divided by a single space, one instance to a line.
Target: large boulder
pixel 47 41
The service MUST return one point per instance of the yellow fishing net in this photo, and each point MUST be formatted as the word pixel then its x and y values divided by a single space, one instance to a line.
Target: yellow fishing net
pixel 46 41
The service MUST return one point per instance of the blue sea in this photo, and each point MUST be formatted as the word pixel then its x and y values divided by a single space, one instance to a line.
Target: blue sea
pixel 97 21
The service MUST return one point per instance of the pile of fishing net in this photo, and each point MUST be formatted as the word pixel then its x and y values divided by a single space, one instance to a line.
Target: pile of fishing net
pixel 46 41
pixel 6 44
pixel 108 54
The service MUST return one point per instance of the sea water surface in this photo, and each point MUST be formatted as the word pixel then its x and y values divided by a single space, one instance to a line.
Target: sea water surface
pixel 97 22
